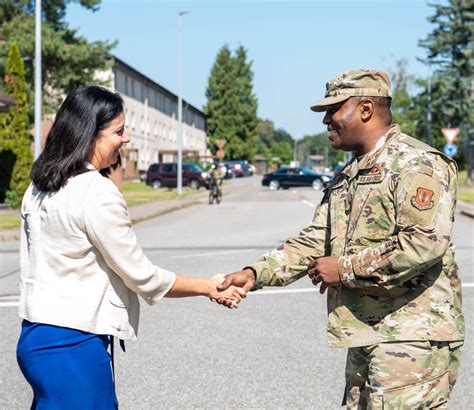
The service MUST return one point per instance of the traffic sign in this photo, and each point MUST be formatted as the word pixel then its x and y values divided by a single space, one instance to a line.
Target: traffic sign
pixel 220 154
pixel 220 143
pixel 450 134
pixel 450 150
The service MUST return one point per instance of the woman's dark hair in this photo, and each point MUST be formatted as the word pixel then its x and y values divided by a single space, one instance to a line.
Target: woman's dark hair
pixel 83 114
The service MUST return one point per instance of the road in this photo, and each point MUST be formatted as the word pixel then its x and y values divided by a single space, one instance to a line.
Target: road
pixel 269 353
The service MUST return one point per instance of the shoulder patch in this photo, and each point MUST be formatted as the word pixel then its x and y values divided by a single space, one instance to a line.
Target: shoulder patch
pixel 423 199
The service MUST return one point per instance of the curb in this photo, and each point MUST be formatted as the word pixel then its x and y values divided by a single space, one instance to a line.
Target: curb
pixel 165 211
pixel 465 209
pixel 14 235
pixel 9 236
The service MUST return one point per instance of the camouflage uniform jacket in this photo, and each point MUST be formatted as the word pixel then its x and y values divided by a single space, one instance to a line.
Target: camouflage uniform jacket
pixel 388 218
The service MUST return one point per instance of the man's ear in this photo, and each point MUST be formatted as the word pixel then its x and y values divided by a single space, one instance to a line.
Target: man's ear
pixel 367 109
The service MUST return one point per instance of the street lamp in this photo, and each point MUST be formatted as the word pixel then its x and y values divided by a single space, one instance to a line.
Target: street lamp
pixel 428 119
pixel 38 95
pixel 180 101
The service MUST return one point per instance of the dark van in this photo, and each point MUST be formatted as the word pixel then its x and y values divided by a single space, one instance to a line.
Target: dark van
pixel 166 175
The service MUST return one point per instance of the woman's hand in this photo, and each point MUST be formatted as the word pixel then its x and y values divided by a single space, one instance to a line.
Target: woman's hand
pixel 230 297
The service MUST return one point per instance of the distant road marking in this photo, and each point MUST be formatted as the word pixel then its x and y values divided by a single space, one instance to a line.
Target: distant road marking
pixel 211 253
pixel 9 301
pixel 13 301
pixel 308 203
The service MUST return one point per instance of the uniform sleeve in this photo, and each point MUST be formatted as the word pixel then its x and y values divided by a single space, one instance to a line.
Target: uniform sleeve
pixel 110 231
pixel 289 262
pixel 425 198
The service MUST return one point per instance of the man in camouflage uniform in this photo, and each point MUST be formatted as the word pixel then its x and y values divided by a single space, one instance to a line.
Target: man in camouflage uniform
pixel 380 243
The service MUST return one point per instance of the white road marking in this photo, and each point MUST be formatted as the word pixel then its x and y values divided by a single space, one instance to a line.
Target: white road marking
pixel 308 203
pixel 210 253
pixel 9 304
pixel 13 301
pixel 277 291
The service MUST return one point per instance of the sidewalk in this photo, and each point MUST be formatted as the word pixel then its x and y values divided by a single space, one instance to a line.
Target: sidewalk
pixel 153 209
pixel 137 213
pixel 465 209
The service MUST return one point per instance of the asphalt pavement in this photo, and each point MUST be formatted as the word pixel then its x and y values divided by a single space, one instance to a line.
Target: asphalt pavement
pixel 269 353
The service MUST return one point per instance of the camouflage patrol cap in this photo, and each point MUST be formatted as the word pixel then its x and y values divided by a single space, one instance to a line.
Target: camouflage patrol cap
pixel 356 83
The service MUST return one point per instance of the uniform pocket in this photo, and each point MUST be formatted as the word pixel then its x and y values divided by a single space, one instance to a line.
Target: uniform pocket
pixel 426 394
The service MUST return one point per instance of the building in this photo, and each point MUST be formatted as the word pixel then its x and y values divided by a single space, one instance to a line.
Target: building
pixel 151 118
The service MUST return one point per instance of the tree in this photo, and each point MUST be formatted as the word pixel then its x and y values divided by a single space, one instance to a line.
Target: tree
pixel 319 144
pixel 68 60
pixel 231 107
pixel 222 102
pixel 404 111
pixel 273 142
pixel 15 140
pixel 450 50
pixel 247 107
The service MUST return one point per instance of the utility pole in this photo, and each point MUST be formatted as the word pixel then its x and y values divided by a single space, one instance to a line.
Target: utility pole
pixel 180 101
pixel 294 151
pixel 38 95
pixel 428 117
pixel 470 143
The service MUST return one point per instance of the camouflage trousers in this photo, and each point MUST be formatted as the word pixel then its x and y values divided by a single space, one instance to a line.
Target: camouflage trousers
pixel 407 375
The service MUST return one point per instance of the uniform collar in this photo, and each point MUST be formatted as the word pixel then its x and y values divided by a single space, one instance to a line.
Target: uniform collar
pixel 368 160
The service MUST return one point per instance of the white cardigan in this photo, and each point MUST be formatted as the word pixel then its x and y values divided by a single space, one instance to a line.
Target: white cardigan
pixel 81 264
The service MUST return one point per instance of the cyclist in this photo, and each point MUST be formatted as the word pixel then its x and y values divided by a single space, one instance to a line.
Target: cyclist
pixel 215 182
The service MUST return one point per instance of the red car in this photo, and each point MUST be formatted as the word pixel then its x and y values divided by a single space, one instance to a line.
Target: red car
pixel 166 175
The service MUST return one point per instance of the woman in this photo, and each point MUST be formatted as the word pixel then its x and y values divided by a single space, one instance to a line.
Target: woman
pixel 82 269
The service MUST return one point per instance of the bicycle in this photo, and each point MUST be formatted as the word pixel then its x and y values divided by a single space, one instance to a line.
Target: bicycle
pixel 215 192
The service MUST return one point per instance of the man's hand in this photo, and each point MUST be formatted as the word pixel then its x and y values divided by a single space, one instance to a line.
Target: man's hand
pixel 244 279
pixel 231 295
pixel 324 270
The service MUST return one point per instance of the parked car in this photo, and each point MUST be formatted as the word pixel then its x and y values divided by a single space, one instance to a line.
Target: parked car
pixel 166 175
pixel 338 169
pixel 227 171
pixel 286 177
pixel 240 168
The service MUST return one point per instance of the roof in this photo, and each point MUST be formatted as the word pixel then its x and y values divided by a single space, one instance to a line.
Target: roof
pixel 126 67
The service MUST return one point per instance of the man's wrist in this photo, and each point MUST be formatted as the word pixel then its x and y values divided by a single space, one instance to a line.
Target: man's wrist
pixel 254 272
pixel 346 270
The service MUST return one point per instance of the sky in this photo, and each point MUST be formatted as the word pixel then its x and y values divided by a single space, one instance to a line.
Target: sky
pixel 294 46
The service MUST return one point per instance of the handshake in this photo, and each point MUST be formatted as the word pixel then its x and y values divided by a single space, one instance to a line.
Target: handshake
pixel 229 290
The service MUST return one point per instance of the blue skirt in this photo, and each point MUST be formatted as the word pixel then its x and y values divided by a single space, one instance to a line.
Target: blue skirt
pixel 67 368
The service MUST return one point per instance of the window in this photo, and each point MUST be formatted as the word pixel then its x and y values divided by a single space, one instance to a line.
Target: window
pixel 127 86
pixel 132 88
pixel 192 168
pixel 151 98
pixel 154 167
pixel 169 168
pixel 120 82
pixel 282 172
